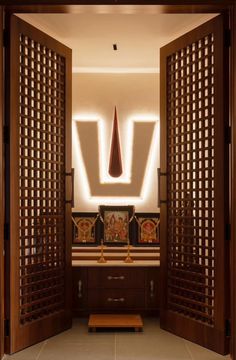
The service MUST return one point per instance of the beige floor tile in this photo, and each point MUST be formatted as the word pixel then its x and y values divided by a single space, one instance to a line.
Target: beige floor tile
pixel 151 324
pixel 79 334
pixel 200 353
pixel 73 351
pixel 151 344
pixel 150 347
pixel 31 353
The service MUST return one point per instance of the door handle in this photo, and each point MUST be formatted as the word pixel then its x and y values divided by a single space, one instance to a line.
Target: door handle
pixel 115 277
pixel 80 289
pixel 72 175
pixel 159 174
pixel 151 288
pixel 116 299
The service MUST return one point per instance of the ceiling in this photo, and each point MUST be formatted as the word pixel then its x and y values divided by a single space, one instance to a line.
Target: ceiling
pixel 138 35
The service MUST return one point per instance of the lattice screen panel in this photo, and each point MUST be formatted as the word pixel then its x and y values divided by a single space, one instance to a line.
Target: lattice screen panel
pixel 41 180
pixel 190 194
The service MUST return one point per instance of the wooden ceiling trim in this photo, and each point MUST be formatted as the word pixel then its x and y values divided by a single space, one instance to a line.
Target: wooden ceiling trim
pixel 63 6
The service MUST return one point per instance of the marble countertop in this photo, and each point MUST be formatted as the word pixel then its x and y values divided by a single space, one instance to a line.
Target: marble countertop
pixel 119 263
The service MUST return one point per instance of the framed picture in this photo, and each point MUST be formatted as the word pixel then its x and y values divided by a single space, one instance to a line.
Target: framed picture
pixel 117 224
pixel 85 228
pixel 147 229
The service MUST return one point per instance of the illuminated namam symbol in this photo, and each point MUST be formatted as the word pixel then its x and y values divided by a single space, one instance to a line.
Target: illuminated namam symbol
pixel 115 163
pixel 140 144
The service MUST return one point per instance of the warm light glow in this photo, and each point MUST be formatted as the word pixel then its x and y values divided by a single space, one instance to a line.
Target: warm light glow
pixel 102 136
pixel 146 189
pixel 115 70
pixel 78 158
pixel 119 200
pixel 127 159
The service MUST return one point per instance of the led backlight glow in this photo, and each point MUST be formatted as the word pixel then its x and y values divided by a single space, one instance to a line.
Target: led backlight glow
pixel 103 142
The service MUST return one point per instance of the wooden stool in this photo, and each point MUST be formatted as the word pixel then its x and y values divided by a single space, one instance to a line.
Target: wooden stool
pixel 115 321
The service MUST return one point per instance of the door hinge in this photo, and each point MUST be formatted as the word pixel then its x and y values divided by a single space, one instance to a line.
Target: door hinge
pixel 228 232
pixel 228 135
pixel 6 327
pixel 5 38
pixel 227 38
pixel 6 231
pixel 6 134
pixel 227 327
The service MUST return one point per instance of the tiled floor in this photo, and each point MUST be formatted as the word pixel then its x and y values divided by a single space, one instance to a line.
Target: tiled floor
pixel 152 344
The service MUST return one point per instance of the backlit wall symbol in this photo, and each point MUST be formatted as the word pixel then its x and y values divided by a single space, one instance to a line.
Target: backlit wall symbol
pixel 139 153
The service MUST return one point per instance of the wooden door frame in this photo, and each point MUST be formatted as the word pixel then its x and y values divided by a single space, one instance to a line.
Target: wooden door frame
pixel 233 179
pixel 1 194
pixel 166 6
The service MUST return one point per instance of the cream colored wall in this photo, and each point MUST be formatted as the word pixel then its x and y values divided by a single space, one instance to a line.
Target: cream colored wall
pixel 96 95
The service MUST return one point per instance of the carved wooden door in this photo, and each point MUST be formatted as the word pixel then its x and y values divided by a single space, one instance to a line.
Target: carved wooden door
pixel 194 186
pixel 38 185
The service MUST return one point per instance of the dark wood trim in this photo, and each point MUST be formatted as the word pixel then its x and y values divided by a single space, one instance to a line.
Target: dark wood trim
pixel 168 3
pixel 6 100
pixel 73 6
pixel 118 2
pixel 233 181
pixel 1 194
pixel 163 188
pixel 69 186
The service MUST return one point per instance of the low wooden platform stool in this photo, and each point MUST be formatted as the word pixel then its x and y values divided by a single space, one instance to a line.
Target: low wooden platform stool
pixel 115 321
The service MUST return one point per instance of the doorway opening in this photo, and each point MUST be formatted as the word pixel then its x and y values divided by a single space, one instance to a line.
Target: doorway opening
pixel 127 78
pixel 100 88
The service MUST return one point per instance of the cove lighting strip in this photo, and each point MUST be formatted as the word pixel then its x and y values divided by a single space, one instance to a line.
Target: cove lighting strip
pixel 111 70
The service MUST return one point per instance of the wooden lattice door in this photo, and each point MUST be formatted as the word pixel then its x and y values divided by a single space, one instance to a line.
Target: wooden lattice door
pixel 39 185
pixel 194 182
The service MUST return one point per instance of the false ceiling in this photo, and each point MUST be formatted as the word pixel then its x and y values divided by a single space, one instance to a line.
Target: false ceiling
pixel 138 35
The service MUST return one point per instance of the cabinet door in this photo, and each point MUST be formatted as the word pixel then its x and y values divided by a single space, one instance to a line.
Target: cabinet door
pixel 79 290
pixel 152 289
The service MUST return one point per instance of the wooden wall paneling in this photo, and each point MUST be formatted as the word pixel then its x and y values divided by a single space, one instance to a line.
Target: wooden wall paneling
pixel 193 246
pixel 1 193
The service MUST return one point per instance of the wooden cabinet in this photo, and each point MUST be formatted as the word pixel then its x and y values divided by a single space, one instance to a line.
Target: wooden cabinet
pixel 115 289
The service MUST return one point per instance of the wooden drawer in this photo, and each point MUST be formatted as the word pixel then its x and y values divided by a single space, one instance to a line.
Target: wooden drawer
pixel 116 278
pixel 112 299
